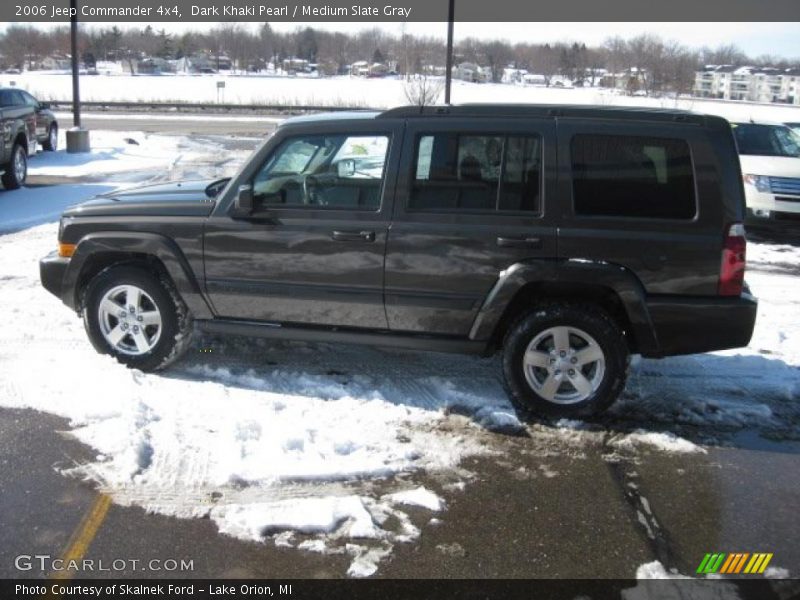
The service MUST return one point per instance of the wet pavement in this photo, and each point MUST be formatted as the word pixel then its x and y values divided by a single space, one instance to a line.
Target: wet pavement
pixel 541 507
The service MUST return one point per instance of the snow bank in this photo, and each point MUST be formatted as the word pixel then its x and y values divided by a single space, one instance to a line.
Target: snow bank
pixel 124 151
pixel 35 205
pixel 420 496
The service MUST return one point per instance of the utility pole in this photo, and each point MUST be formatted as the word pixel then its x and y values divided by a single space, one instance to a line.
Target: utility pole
pixel 76 92
pixel 448 76
pixel 77 137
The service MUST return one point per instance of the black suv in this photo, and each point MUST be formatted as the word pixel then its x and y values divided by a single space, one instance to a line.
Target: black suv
pixel 568 238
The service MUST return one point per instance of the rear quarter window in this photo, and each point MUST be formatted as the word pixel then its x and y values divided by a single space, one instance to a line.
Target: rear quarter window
pixel 632 176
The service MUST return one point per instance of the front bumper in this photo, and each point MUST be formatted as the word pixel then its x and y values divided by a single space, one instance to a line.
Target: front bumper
pixel 690 325
pixel 52 270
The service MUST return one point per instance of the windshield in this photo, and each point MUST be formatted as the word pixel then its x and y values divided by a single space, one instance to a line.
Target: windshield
pixel 766 140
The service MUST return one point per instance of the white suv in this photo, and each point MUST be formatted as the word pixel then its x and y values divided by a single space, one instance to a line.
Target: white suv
pixel 770 159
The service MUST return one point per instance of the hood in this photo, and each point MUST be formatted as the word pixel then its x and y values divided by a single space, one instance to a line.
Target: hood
pixel 773 166
pixel 174 199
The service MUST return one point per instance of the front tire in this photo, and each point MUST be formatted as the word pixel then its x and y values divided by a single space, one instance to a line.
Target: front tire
pixel 136 317
pixel 564 360
pixel 16 170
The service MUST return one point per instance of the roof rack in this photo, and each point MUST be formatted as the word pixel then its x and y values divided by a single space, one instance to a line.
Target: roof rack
pixel 545 110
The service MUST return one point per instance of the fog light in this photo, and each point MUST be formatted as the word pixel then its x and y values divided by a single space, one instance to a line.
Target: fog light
pixel 760 212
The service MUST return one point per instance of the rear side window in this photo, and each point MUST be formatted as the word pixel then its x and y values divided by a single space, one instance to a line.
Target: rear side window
pixel 632 176
pixel 477 173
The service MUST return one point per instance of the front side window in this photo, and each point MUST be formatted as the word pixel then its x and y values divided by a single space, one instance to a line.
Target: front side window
pixel 483 173
pixel 324 171
pixel 632 176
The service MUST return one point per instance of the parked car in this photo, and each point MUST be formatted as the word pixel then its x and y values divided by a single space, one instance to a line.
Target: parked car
pixel 26 122
pixel 770 160
pixel 18 138
pixel 565 238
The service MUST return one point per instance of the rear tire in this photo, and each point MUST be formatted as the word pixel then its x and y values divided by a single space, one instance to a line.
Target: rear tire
pixel 51 143
pixel 16 171
pixel 136 317
pixel 564 360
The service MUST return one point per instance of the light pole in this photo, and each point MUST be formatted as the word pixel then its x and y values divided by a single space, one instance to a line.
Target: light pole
pixel 448 76
pixel 77 137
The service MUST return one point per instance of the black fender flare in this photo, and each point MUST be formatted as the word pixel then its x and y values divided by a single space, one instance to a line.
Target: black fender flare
pixel 618 279
pixel 150 244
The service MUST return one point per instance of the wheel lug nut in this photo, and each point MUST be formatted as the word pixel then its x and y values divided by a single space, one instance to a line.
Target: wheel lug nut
pixel 572 372
pixel 573 360
pixel 135 329
pixel 563 354
pixel 139 318
pixel 552 361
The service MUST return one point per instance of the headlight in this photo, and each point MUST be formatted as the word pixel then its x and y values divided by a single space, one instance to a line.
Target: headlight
pixel 761 182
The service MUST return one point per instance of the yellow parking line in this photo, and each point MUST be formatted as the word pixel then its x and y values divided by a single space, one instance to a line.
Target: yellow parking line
pixel 84 534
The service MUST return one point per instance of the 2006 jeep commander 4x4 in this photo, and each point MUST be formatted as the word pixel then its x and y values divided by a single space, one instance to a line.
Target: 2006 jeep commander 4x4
pixel 565 237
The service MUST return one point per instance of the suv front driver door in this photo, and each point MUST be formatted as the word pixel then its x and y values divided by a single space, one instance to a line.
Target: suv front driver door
pixel 312 250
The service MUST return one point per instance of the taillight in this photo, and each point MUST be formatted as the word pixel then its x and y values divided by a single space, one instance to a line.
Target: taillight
pixel 731 273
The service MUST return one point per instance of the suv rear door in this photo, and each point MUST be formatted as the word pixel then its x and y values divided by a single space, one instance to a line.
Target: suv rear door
pixel 312 252
pixel 474 196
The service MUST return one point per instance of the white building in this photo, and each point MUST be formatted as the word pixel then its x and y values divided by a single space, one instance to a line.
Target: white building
pixel 750 84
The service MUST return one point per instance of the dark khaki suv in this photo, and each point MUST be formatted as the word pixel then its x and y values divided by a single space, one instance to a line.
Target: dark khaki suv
pixel 566 238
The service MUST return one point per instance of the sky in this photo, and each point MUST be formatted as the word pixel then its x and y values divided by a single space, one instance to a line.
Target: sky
pixel 755 39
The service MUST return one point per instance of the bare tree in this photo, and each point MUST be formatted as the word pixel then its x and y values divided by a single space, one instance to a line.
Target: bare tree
pixel 423 90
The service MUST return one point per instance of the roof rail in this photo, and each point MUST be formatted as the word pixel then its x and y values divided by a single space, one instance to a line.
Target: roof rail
pixel 546 110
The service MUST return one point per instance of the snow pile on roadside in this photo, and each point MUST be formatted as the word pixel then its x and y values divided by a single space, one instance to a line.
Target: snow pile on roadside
pixel 664 441
pixel 419 497
pixel 33 206
pixel 760 255
pixel 658 582
pixel 115 152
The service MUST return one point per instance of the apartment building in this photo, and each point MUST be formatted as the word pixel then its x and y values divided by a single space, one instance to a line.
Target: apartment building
pixel 750 84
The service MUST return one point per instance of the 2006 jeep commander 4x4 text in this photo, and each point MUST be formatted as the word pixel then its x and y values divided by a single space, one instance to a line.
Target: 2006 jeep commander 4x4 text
pixel 567 238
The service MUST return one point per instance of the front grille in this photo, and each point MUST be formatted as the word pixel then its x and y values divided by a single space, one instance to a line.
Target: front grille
pixel 785 199
pixel 785 185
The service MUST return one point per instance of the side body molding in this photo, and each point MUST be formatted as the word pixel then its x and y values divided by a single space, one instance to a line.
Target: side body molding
pixel 151 244
pixel 615 278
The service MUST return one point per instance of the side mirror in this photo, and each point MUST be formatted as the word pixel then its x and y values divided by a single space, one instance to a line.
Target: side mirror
pixel 346 167
pixel 244 200
pixel 44 106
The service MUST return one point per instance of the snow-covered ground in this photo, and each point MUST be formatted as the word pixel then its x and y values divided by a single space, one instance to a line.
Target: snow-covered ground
pixel 121 152
pixel 352 91
pixel 324 448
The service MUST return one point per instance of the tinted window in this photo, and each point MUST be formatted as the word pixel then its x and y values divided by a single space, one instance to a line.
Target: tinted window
pixel 766 140
pixel 632 176
pixel 459 172
pixel 324 171
pixel 6 98
pixel 28 99
pixel 17 98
